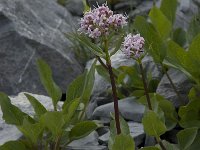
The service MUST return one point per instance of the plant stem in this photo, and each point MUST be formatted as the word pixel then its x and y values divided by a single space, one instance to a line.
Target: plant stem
pixel 154 2
pixel 57 143
pixel 104 65
pixel 145 86
pixel 172 84
pixel 159 141
pixel 114 89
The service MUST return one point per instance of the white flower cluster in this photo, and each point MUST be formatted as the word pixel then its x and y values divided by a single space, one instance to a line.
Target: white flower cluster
pixel 133 45
pixel 100 21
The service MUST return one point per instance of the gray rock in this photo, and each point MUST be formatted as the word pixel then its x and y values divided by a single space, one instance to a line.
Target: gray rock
pixel 104 138
pixel 95 3
pixel 149 141
pixel 86 148
pixel 91 140
pixel 10 132
pixel 30 30
pixel 127 5
pixel 197 2
pixel 129 109
pixel 136 131
pixel 185 11
pixel 182 84
pixel 142 9
pixel 75 7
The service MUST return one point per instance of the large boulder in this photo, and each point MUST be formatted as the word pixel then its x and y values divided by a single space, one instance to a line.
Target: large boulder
pixel 10 132
pixel 30 30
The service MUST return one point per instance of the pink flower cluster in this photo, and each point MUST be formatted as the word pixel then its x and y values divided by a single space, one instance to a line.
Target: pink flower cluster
pixel 133 45
pixel 99 21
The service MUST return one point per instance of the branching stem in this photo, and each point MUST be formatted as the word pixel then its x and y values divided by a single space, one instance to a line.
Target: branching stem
pixel 145 86
pixel 159 141
pixel 104 65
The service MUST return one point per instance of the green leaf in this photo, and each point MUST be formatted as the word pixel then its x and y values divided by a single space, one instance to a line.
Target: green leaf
pixel 189 114
pixel 54 121
pixel 160 22
pixel 170 114
pixel 13 145
pixel 47 80
pixel 179 36
pixel 61 2
pixel 132 74
pixel 103 72
pixel 154 43
pixel 118 44
pixel 113 132
pixel 194 93
pixel 194 28
pixel 195 145
pixel 86 7
pixel 31 131
pixel 123 142
pixel 168 7
pixel 153 126
pixel 137 93
pixel 164 109
pixel 150 148
pixel 81 87
pixel 186 137
pixel 75 89
pixel 38 107
pixel 185 61
pixel 70 110
pixel 168 145
pixel 124 127
pixel 89 83
pixel 87 43
pixel 155 106
pixel 193 52
pixel 177 58
pixel 11 113
pixel 171 117
pixel 82 129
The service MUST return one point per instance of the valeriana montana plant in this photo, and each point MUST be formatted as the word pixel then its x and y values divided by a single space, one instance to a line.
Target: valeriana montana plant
pixel 51 129
pixel 133 48
pixel 98 27
pixel 99 23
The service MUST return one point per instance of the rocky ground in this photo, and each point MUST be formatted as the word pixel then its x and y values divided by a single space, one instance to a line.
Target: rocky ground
pixel 34 29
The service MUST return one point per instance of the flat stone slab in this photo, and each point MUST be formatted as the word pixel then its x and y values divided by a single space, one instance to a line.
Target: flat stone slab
pixel 129 108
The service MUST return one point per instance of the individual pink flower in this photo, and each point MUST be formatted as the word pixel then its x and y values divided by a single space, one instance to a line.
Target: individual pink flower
pixel 100 21
pixel 133 46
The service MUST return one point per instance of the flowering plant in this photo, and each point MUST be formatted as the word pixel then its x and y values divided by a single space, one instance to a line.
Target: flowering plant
pixel 101 21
